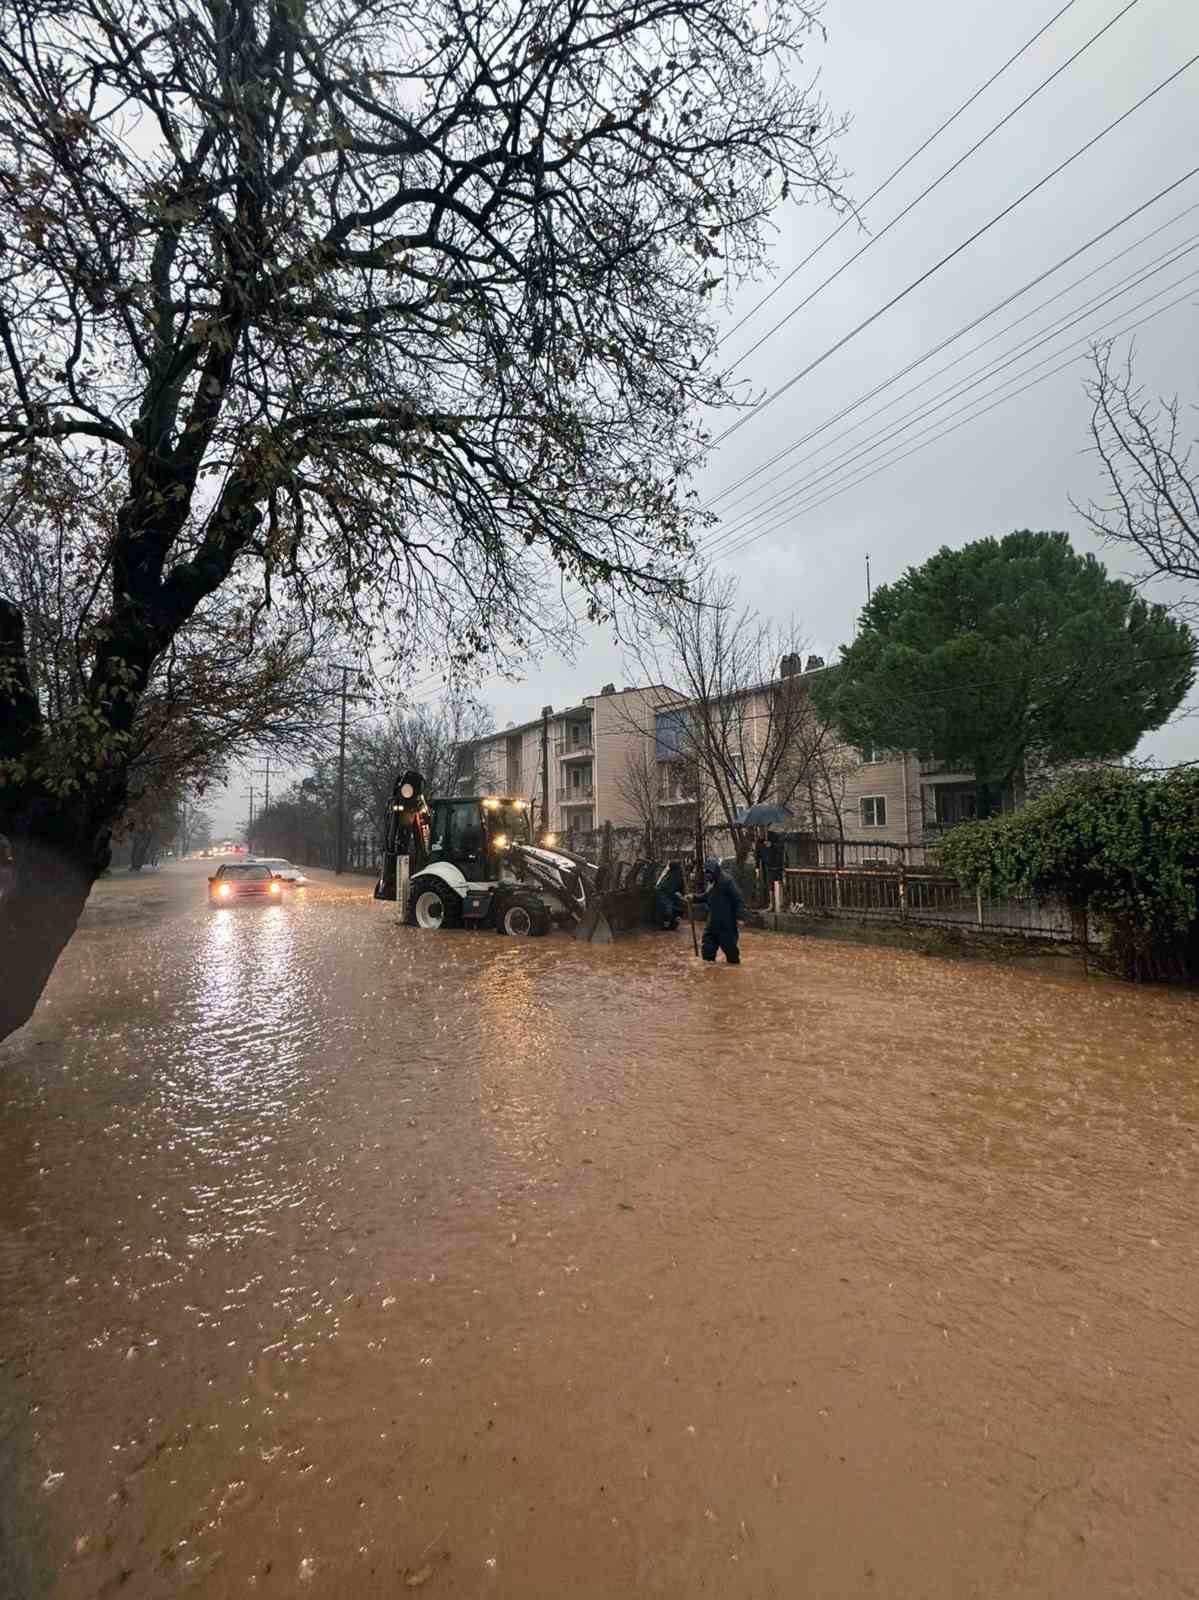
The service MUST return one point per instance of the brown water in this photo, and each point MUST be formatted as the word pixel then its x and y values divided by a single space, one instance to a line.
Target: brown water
pixel 342 1260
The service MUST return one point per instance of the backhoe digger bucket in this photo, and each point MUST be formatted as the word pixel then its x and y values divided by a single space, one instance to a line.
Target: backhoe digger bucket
pixel 593 927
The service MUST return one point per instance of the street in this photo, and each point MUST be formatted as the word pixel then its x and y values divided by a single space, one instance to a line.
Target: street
pixel 342 1259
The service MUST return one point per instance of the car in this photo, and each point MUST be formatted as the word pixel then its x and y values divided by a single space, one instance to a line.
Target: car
pixel 243 881
pixel 292 875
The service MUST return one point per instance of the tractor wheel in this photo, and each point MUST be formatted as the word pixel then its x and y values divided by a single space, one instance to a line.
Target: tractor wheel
pixel 431 905
pixel 524 916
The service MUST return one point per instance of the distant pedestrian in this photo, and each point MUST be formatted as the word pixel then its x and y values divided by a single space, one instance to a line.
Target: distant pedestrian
pixel 668 896
pixel 762 864
pixel 725 905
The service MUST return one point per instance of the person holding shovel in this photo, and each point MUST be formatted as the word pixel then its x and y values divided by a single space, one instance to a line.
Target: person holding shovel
pixel 725 906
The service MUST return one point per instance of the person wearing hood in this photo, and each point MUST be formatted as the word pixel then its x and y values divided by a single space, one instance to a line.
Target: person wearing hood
pixel 668 896
pixel 725 905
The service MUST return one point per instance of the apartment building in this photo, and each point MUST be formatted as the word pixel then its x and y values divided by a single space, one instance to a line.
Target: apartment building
pixel 859 795
pixel 591 748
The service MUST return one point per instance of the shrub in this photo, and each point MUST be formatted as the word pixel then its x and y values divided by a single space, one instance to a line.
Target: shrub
pixel 1118 844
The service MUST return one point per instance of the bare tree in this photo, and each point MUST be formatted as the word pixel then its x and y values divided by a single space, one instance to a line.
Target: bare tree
pixel 232 681
pixel 1145 450
pixel 426 739
pixel 401 312
pixel 638 783
pixel 743 723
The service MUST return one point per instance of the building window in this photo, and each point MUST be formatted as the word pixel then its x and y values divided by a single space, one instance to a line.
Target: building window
pixel 871 755
pixel 670 734
pixel 958 803
pixel 873 810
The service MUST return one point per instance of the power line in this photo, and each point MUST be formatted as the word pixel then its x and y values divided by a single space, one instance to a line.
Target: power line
pixel 855 481
pixel 886 183
pixel 974 322
pixel 936 183
pixel 432 679
pixel 951 255
pixel 960 387
pixel 711 548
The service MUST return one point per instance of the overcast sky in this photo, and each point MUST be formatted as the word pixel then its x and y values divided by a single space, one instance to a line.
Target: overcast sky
pixel 899 71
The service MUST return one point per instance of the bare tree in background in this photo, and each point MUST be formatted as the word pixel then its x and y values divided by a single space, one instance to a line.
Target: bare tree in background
pixel 744 723
pixel 1145 447
pixel 427 739
pixel 638 783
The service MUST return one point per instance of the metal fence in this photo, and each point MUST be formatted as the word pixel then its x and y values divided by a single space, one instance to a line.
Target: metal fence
pixel 923 899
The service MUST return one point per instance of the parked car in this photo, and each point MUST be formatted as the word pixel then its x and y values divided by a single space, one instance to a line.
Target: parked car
pixel 243 881
pixel 292 875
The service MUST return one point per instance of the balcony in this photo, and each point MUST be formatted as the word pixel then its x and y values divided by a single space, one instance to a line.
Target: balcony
pixel 581 794
pixel 567 751
pixel 674 799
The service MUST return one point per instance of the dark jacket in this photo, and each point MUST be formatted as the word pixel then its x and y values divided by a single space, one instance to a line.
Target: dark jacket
pixel 724 903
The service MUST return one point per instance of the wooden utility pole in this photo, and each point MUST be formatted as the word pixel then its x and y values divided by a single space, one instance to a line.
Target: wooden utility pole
pixel 341 770
pixel 250 829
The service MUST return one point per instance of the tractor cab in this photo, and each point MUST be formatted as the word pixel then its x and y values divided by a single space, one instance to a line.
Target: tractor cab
pixel 475 835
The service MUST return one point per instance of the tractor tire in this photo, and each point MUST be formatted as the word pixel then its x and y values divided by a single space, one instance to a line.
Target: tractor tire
pixel 432 905
pixel 523 916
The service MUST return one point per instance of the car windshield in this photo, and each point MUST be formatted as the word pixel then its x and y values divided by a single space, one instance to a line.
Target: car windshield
pixel 257 871
pixel 274 862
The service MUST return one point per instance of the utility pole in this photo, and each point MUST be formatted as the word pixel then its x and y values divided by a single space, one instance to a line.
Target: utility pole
pixel 341 769
pixel 250 829
pixel 266 802
pixel 869 593
pixel 546 713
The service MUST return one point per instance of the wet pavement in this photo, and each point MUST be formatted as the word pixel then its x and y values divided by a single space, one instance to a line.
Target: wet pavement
pixel 338 1259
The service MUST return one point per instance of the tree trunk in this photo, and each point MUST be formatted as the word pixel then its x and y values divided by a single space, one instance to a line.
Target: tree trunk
pixel 53 873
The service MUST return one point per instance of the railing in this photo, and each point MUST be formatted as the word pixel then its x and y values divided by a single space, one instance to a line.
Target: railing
pixel 568 751
pixel 579 795
pixel 922 898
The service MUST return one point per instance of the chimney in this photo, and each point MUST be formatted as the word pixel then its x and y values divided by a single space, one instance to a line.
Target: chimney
pixel 789 666
pixel 609 688
pixel 814 663
pixel 547 711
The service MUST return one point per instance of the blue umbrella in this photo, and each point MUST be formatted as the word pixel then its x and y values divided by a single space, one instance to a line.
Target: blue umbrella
pixel 763 814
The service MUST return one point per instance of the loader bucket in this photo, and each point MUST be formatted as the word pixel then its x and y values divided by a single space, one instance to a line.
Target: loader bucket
pixel 594 927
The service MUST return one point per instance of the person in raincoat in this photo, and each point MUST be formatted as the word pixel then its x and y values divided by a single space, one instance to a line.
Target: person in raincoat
pixel 668 896
pixel 725 905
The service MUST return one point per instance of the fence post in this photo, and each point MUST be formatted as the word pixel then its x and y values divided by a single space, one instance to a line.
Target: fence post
pixel 903 890
pixel 978 901
pixel 776 895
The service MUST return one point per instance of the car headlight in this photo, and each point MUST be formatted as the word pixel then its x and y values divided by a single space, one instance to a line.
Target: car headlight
pixel 274 888
pixel 222 888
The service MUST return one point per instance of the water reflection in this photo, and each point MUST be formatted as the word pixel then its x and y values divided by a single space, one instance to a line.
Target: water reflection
pixel 334 1252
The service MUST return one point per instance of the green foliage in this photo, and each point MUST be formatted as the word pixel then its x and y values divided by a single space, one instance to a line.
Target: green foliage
pixel 1005 651
pixel 1118 844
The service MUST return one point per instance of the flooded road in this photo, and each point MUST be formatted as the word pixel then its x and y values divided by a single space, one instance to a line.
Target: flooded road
pixel 341 1260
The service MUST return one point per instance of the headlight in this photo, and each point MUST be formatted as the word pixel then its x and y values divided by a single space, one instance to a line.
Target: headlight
pixel 407 791
pixel 500 842
pixel 549 839
pixel 274 888
pixel 222 888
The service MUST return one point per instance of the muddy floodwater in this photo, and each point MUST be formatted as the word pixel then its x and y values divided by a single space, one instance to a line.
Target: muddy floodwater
pixel 338 1259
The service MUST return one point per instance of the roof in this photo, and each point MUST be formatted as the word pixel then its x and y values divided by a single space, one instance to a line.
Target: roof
pixel 583 710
